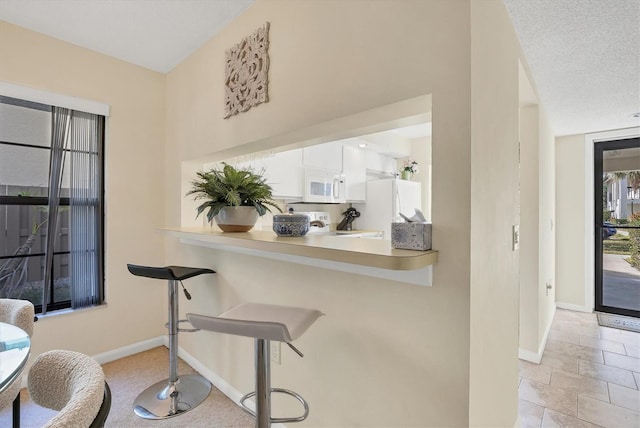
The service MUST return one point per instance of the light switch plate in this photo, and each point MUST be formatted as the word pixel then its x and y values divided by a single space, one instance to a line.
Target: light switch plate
pixel 515 237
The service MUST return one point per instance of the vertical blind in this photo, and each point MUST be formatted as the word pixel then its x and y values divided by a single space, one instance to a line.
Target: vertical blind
pixel 86 209
pixel 60 119
pixel 76 153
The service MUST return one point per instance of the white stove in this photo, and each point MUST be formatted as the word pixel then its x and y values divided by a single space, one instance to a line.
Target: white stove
pixel 320 221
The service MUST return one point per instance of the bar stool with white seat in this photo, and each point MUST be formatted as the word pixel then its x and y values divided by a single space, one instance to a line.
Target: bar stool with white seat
pixel 264 323
pixel 177 394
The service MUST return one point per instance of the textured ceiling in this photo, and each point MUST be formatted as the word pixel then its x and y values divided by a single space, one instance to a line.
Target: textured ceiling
pixel 584 54
pixel 585 59
pixel 156 34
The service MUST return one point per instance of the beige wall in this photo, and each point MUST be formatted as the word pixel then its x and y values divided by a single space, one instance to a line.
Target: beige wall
pixel 530 280
pixel 572 265
pixel 546 229
pixel 439 349
pixel 386 354
pixel 134 191
pixel 494 202
pixel 537 229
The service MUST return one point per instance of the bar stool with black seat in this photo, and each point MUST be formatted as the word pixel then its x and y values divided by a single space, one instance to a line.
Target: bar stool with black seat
pixel 264 323
pixel 177 394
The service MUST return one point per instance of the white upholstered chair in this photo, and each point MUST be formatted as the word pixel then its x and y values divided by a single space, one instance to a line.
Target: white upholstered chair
pixel 21 314
pixel 72 383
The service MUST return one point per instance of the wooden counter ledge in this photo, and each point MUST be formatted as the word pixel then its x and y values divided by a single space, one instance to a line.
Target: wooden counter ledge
pixel 376 253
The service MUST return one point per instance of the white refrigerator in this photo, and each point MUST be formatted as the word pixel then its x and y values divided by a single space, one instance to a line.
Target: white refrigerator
pixel 386 199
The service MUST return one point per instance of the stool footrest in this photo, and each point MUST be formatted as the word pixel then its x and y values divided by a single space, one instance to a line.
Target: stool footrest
pixel 282 391
pixel 186 330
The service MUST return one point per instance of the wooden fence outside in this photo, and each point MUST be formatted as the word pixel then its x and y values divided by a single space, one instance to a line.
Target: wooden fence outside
pixel 17 223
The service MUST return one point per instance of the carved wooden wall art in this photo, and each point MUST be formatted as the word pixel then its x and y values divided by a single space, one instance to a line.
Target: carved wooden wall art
pixel 247 64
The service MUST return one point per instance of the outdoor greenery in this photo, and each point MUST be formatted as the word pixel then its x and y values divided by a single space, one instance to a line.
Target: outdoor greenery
pixel 626 243
pixel 633 181
pixel 634 238
pixel 231 187
pixel 633 178
pixel 606 214
pixel 617 244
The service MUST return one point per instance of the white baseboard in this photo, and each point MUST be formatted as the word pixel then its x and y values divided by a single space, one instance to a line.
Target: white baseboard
pixel 135 348
pixel 573 307
pixel 125 351
pixel 534 357
pixel 116 354
pixel 547 330
pixel 217 381
pixel 224 386
pixel 214 378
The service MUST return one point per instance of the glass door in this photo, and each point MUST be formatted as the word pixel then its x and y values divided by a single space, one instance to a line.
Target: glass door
pixel 617 226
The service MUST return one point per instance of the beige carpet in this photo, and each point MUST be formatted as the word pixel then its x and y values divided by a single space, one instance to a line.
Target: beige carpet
pixel 129 376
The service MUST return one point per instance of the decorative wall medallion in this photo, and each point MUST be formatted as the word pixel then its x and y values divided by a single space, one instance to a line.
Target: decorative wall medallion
pixel 247 64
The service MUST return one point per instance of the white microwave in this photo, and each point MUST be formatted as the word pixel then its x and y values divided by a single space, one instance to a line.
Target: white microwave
pixel 324 186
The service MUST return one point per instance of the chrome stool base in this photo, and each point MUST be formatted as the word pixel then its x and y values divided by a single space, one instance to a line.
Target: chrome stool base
pixel 166 399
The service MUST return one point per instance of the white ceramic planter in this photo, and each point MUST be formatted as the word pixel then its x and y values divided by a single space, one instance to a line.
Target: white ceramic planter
pixel 236 219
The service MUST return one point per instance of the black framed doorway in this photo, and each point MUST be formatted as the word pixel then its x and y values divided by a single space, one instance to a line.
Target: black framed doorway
pixel 617 225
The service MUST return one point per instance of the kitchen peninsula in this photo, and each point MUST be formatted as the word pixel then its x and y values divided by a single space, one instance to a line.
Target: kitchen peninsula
pixel 372 257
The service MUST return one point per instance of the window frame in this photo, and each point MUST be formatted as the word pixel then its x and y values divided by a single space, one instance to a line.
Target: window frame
pixel 64 201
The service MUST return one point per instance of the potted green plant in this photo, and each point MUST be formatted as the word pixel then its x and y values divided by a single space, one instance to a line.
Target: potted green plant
pixel 409 168
pixel 234 198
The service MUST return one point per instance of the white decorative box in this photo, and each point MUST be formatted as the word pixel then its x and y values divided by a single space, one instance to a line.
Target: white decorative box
pixel 411 236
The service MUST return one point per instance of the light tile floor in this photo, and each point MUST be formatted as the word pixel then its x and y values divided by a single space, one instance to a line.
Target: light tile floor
pixel 589 376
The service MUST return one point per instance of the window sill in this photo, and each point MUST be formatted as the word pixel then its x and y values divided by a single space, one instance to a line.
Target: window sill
pixel 69 311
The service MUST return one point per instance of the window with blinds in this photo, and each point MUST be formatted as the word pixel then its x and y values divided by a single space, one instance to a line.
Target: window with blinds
pixel 51 205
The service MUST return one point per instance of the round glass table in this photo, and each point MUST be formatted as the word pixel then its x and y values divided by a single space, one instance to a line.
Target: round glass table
pixel 15 346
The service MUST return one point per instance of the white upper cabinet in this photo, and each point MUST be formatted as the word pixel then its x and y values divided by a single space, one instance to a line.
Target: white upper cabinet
pixel 284 172
pixel 325 156
pixel 354 167
pixel 381 163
